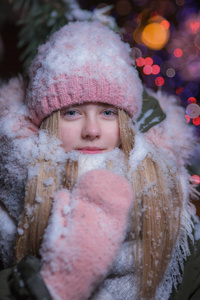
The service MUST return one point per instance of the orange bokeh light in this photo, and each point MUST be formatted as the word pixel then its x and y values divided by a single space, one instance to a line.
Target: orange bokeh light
pixel 154 35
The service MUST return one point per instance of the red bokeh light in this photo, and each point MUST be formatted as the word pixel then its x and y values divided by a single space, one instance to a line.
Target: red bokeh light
pixel 155 69
pixel 179 90
pixel 196 121
pixel 140 61
pixel 159 81
pixel 192 100
pixel 148 61
pixel 194 25
pixel 178 52
pixel 147 70
pixel 195 179
pixel 165 24
pixel 187 118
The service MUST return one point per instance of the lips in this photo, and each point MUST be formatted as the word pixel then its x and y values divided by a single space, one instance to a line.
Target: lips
pixel 90 150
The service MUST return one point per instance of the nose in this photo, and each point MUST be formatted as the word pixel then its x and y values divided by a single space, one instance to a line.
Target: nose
pixel 91 129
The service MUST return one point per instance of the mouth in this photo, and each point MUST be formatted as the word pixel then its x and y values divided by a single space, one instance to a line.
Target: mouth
pixel 90 150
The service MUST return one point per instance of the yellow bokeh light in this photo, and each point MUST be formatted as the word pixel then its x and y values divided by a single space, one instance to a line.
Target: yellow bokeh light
pixel 154 36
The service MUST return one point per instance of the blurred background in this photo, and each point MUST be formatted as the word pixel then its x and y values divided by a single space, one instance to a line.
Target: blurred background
pixel 164 36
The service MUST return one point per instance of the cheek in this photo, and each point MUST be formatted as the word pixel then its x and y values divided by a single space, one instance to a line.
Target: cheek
pixel 113 136
pixel 68 136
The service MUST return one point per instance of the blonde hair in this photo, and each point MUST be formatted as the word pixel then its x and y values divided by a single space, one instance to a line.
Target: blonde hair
pixel 156 212
pixel 156 217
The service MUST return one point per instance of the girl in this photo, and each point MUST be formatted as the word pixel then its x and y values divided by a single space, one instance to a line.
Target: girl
pixel 106 201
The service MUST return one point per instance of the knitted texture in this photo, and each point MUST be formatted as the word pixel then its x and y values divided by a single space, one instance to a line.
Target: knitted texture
pixel 87 229
pixel 83 62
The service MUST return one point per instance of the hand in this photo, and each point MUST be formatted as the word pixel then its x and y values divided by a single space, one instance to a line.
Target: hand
pixel 85 234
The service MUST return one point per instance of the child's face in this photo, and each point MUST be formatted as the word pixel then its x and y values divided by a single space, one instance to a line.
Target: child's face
pixel 90 128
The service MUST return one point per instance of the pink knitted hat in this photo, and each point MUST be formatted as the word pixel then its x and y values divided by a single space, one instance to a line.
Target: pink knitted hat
pixel 83 62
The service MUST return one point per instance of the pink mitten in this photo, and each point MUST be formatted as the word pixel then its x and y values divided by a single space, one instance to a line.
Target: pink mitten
pixel 84 234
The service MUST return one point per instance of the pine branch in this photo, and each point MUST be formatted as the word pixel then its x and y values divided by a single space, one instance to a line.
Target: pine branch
pixel 38 20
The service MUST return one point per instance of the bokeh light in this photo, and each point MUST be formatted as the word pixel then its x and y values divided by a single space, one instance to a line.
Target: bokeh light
pixel 178 52
pixel 147 69
pixel 196 121
pixel 185 45
pixel 179 90
pixel 170 72
pixel 148 61
pixel 155 69
pixel 192 25
pixel 135 53
pixel 167 36
pixel 193 69
pixel 165 24
pixel 187 118
pixel 140 61
pixel 192 100
pixel 159 81
pixel 193 110
pixel 154 36
pixel 195 179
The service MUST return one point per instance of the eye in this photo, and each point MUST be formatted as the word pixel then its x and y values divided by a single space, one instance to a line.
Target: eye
pixel 70 113
pixel 109 112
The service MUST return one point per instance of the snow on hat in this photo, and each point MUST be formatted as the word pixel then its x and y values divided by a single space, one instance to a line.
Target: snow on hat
pixel 83 62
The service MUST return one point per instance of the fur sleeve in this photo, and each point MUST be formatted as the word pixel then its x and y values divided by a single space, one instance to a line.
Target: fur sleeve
pixel 12 95
pixel 173 135
pixel 14 127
